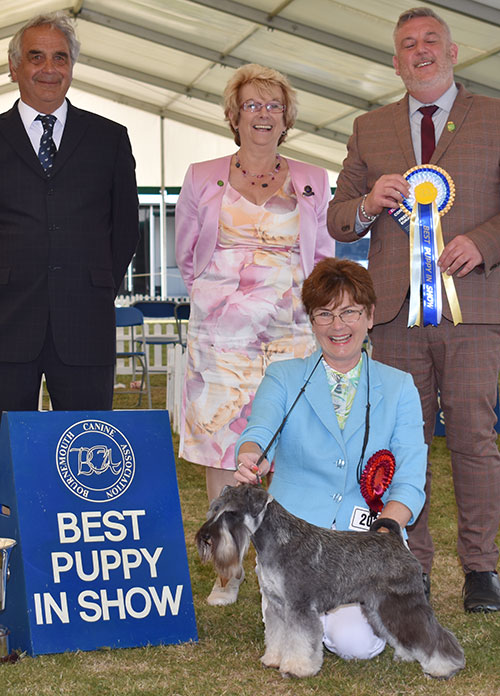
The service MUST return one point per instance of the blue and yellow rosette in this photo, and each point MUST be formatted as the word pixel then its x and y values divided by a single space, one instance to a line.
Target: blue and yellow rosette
pixel 432 193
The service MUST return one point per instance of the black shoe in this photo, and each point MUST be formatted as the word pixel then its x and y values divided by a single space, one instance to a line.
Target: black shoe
pixel 426 578
pixel 481 591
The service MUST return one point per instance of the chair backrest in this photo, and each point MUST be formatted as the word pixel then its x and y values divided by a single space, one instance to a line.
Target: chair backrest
pixel 156 310
pixel 182 310
pixel 129 316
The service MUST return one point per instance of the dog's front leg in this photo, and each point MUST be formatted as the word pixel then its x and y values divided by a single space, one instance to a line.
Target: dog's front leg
pixel 275 632
pixel 303 646
pixel 271 589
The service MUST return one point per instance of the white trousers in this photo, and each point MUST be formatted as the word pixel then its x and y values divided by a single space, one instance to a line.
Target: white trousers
pixel 348 634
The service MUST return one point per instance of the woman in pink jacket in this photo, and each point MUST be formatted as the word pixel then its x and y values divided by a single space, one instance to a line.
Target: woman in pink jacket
pixel 249 228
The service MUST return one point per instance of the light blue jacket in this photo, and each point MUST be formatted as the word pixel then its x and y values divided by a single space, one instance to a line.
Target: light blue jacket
pixel 315 462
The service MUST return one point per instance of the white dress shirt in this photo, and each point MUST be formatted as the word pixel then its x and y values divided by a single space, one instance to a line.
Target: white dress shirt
pixel 439 117
pixel 34 128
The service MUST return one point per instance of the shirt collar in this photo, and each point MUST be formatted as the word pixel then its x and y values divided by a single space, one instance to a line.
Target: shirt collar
pixel 352 376
pixel 445 101
pixel 28 114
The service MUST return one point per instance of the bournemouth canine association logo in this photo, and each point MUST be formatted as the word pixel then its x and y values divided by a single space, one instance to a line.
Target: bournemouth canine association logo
pixel 95 461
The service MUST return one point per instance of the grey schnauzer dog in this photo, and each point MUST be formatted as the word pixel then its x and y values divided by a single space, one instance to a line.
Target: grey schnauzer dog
pixel 305 571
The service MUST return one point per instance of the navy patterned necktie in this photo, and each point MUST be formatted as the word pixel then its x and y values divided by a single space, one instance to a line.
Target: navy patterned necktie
pixel 47 150
pixel 427 134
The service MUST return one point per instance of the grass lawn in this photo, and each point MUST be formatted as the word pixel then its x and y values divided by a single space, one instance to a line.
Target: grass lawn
pixel 225 661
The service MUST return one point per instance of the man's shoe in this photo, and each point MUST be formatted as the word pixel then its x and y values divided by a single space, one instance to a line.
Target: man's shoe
pixel 426 579
pixel 481 591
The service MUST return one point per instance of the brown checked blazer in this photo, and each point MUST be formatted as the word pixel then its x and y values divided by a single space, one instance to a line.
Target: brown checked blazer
pixel 469 150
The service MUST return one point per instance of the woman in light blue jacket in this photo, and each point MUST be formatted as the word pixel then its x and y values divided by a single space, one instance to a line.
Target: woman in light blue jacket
pixel 351 408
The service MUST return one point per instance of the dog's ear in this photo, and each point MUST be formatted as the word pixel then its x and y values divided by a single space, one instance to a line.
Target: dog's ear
pixel 217 503
pixel 257 499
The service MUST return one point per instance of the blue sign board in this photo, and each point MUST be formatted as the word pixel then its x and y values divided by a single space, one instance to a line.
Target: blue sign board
pixel 91 499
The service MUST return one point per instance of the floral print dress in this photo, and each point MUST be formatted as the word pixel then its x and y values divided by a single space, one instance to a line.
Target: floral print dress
pixel 246 312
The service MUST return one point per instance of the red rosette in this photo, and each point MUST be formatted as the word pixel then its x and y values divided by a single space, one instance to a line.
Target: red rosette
pixel 376 478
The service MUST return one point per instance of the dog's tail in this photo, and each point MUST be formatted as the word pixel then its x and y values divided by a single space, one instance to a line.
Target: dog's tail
pixel 447 658
pixel 387 523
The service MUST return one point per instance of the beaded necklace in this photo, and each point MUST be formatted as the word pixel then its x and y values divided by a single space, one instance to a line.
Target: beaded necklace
pixel 246 173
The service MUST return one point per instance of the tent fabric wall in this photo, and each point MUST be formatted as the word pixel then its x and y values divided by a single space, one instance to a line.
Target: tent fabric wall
pixel 143 61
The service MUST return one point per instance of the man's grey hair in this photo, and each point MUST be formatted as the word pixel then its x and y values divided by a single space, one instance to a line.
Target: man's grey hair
pixel 55 20
pixel 416 12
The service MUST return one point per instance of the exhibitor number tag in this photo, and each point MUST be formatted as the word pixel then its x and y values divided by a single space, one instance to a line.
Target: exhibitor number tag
pixel 362 519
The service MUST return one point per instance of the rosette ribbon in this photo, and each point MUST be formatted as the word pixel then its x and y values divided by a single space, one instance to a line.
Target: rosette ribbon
pixel 376 478
pixel 432 192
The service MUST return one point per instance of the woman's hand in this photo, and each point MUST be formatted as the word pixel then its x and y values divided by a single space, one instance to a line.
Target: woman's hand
pixel 248 471
pixel 396 511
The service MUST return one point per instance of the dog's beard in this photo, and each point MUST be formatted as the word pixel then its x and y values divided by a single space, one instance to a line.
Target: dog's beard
pixel 225 542
pixel 226 557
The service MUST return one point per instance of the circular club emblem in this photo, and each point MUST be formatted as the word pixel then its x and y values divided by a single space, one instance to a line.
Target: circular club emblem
pixel 95 461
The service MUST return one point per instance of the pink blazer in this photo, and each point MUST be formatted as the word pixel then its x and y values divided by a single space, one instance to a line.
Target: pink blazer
pixel 198 209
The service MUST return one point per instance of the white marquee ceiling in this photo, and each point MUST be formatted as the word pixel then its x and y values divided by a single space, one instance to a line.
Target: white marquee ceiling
pixel 173 57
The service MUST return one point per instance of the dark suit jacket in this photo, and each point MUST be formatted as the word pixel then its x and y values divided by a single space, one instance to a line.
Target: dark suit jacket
pixel 470 153
pixel 66 238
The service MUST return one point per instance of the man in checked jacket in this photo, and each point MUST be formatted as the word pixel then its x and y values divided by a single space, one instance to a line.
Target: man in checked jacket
pixel 462 361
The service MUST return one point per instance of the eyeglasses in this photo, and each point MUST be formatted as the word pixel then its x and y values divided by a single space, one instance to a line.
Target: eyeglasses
pixel 349 316
pixel 255 107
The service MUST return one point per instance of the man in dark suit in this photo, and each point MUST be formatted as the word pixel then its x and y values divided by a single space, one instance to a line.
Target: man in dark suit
pixel 68 229
pixel 462 360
